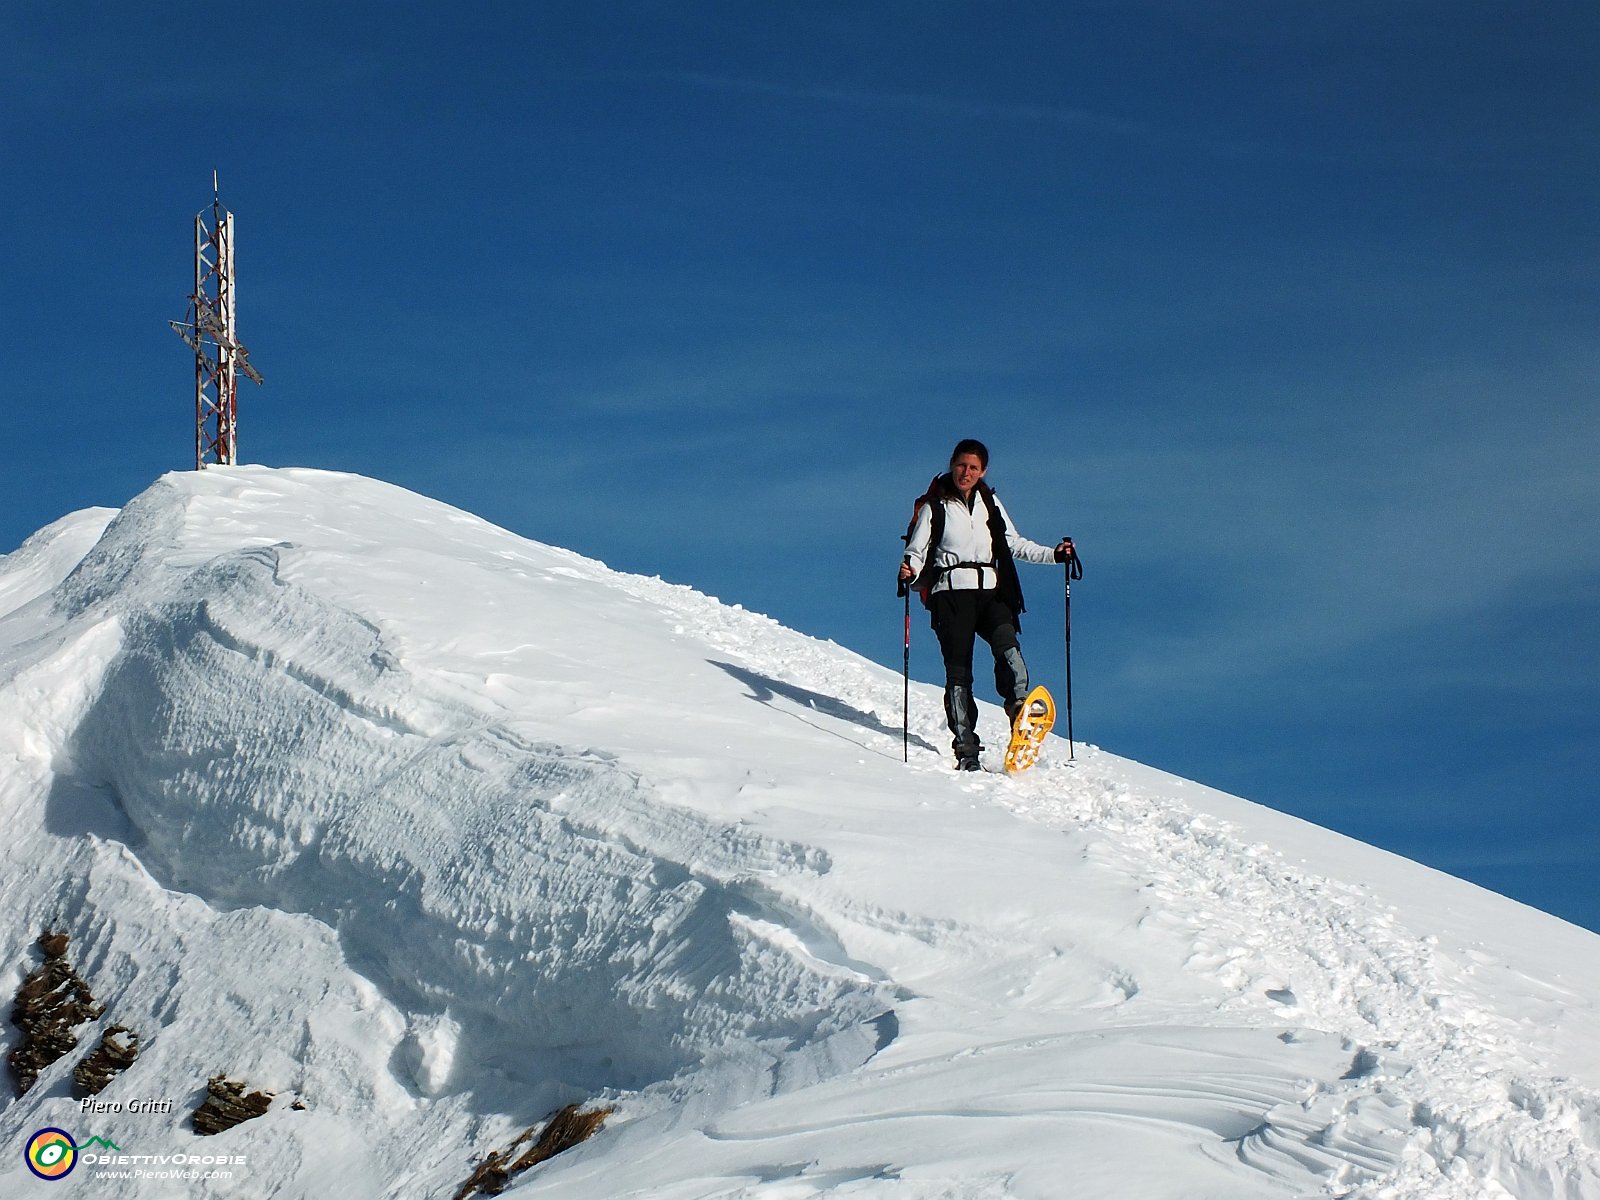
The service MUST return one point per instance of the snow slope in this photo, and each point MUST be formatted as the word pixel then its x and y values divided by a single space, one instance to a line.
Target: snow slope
pixel 429 829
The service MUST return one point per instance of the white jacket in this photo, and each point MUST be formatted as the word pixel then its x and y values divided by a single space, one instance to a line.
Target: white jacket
pixel 966 540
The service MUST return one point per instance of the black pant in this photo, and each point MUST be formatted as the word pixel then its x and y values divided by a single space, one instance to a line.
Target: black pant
pixel 959 618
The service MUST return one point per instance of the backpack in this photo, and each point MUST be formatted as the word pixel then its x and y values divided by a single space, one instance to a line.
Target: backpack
pixel 1005 565
pixel 923 583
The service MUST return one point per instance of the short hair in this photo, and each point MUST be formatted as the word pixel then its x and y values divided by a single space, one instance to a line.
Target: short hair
pixel 971 446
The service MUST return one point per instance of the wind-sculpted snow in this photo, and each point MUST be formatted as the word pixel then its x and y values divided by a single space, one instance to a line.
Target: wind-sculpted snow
pixel 267 750
pixel 430 829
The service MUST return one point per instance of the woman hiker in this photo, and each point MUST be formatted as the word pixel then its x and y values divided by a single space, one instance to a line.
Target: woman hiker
pixel 962 548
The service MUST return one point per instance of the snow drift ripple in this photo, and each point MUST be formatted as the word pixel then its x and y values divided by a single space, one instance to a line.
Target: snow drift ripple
pixel 1428 1100
pixel 579 931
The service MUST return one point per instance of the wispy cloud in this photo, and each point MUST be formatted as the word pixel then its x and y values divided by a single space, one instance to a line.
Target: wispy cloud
pixel 1065 116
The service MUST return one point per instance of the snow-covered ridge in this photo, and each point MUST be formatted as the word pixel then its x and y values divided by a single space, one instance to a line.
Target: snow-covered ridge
pixel 434 828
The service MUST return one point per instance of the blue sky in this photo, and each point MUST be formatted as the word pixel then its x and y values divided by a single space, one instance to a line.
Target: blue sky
pixel 1286 312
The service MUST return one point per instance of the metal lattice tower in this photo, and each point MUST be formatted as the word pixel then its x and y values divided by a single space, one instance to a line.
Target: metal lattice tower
pixel 211 332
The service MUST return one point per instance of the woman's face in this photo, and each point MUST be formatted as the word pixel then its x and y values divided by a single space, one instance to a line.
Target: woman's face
pixel 965 471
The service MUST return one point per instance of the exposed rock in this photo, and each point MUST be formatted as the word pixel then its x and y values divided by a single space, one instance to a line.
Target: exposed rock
pixel 51 1002
pixel 562 1132
pixel 105 1062
pixel 54 945
pixel 226 1105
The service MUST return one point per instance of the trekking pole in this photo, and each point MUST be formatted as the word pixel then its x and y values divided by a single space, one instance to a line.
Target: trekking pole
pixel 905 675
pixel 1073 569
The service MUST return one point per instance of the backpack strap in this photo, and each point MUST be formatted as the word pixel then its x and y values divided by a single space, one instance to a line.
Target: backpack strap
pixel 933 499
pixel 1005 565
